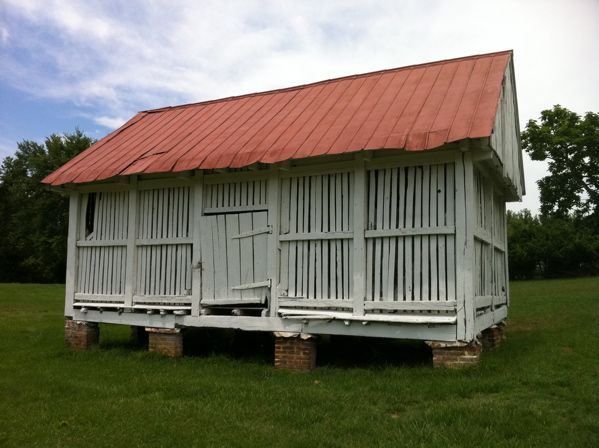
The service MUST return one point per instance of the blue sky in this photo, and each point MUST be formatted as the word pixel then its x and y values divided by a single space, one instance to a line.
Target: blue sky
pixel 92 64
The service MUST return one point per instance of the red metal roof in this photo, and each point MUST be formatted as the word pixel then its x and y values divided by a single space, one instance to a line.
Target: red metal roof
pixel 414 108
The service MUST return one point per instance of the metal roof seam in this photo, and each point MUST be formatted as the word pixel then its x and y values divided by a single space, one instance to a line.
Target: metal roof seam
pixel 461 100
pixel 333 120
pixel 404 107
pixel 480 95
pixel 247 153
pixel 263 119
pixel 209 151
pixel 416 115
pixel 355 112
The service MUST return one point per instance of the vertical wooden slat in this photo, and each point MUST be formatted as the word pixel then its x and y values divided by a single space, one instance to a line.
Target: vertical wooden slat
pixel 441 239
pixel 425 291
pixel 130 272
pixel 325 267
pixel 398 274
pixel 465 221
pixel 379 204
pixel 295 208
pixel 247 254
pixel 408 246
pixel 417 239
pixel 317 212
pixel 275 199
pixel 285 204
pixel 233 256
pixel 220 257
pixel 359 200
pixel 450 239
pixel 71 281
pixel 336 267
pixel 370 225
pixel 433 239
pixel 260 249
pixel 207 255
pixel 305 244
pixel 392 242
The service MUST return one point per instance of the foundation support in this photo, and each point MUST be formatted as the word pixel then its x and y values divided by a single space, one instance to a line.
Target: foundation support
pixel 493 337
pixel 295 351
pixel 166 341
pixel 455 354
pixel 80 334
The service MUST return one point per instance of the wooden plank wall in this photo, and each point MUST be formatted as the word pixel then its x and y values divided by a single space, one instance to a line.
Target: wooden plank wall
pixel 490 283
pixel 316 231
pixel 410 246
pixel 235 196
pixel 505 138
pixel 101 243
pixel 234 257
pixel 163 243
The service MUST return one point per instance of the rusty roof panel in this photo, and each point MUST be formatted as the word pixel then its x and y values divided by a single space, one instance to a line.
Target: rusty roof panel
pixel 413 108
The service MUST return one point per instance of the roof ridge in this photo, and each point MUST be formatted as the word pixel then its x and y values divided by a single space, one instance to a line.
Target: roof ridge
pixel 325 81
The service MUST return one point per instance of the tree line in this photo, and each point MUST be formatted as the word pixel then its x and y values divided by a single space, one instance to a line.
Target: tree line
pixel 562 241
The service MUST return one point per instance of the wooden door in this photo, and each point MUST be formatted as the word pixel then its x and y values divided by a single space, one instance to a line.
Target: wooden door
pixel 234 258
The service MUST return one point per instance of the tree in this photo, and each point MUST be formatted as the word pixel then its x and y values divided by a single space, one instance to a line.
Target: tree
pixel 33 228
pixel 570 144
pixel 550 246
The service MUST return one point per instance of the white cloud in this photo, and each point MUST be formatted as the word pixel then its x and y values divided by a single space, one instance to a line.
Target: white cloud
pixel 120 57
pixel 4 35
pixel 110 122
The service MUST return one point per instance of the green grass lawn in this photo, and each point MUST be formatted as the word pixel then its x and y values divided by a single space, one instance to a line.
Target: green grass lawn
pixel 541 388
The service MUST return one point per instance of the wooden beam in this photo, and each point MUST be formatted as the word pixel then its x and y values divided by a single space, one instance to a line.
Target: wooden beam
pixel 131 266
pixel 359 222
pixel 274 251
pixel 468 247
pixel 71 279
pixel 196 252
pixel 314 303
pixel 460 243
pixel 340 315
pixel 162 241
pixel 414 231
pixel 316 236
pixel 437 305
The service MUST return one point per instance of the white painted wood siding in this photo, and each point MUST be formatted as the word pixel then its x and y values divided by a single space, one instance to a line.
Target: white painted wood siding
pixel 235 196
pixel 505 139
pixel 101 244
pixel 234 258
pixel 163 243
pixel 489 242
pixel 316 231
pixel 410 245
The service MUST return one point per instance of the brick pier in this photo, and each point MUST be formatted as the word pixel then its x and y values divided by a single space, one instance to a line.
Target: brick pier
pixel 455 354
pixel 81 335
pixel 166 341
pixel 493 337
pixel 295 352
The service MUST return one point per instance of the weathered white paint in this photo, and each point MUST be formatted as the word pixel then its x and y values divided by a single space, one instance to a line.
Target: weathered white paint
pixel 366 239
pixel 505 140
pixel 72 259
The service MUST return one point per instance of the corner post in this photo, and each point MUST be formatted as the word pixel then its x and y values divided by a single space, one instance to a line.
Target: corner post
pixel 196 278
pixel 273 239
pixel 464 185
pixel 131 248
pixel 359 241
pixel 71 280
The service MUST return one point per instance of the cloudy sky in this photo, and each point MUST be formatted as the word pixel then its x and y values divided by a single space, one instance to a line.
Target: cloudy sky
pixel 92 64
